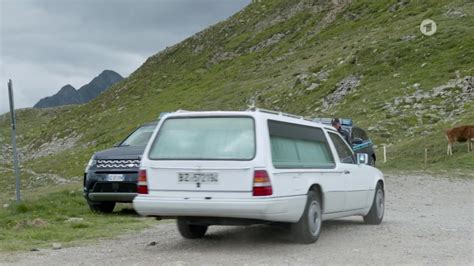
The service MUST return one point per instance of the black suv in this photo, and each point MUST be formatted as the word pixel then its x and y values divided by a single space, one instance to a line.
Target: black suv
pixel 111 175
pixel 361 143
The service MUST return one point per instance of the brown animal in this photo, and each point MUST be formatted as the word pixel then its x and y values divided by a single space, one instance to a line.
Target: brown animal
pixel 460 134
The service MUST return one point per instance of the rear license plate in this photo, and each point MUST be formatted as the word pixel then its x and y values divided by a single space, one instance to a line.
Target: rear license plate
pixel 115 177
pixel 195 177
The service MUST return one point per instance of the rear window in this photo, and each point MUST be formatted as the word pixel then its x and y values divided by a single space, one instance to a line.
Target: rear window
pixel 296 146
pixel 205 138
pixel 139 137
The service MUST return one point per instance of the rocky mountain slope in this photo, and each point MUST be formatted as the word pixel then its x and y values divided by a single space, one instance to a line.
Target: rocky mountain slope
pixel 69 95
pixel 66 95
pixel 366 60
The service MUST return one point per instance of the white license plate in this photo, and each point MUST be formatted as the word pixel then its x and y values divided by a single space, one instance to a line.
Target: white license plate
pixel 195 177
pixel 115 177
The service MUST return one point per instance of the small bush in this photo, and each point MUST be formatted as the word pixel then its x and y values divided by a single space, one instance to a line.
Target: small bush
pixel 21 208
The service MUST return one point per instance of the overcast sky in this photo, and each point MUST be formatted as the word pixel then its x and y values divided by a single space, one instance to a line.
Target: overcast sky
pixel 46 44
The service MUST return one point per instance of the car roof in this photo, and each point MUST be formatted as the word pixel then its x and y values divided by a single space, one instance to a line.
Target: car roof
pixel 253 113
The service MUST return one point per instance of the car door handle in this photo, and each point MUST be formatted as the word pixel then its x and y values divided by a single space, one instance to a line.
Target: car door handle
pixel 346 172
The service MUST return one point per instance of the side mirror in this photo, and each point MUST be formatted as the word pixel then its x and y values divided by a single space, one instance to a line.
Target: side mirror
pixel 362 158
pixel 117 144
pixel 357 141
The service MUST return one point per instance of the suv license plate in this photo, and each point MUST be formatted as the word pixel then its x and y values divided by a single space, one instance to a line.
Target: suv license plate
pixel 115 177
pixel 195 177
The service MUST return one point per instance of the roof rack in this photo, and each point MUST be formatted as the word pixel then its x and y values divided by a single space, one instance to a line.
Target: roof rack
pixel 165 113
pixel 253 109
pixel 325 121
pixel 344 121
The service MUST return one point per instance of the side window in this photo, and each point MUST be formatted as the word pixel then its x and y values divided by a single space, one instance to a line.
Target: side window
pixel 353 133
pixel 296 146
pixel 345 154
pixel 356 133
pixel 364 135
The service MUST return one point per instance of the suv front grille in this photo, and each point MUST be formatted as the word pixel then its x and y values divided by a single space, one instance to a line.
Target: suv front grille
pixel 121 164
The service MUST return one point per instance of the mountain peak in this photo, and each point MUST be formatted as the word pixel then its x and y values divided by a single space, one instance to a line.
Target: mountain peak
pixel 66 95
pixel 110 73
pixel 69 95
pixel 99 84
pixel 67 88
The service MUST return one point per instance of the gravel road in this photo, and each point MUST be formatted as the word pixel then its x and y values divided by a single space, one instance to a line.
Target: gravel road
pixel 428 220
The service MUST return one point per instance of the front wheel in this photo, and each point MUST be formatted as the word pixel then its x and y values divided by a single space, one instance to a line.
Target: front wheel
pixel 101 207
pixel 308 228
pixel 190 231
pixel 375 215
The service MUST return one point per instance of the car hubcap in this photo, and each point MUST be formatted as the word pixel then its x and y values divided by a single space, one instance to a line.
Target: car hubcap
pixel 379 201
pixel 314 217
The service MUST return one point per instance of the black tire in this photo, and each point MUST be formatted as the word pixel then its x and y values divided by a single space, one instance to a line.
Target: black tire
pixel 190 231
pixel 308 228
pixel 375 215
pixel 102 207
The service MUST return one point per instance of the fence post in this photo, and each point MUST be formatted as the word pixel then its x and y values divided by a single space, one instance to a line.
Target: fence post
pixel 384 154
pixel 426 155
pixel 15 153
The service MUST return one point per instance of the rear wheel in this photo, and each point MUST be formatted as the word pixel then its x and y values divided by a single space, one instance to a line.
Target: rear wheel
pixel 308 228
pixel 190 231
pixel 375 215
pixel 101 207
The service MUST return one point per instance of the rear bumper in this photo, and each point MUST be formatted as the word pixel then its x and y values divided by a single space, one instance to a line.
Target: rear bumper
pixel 282 209
pixel 111 196
pixel 99 189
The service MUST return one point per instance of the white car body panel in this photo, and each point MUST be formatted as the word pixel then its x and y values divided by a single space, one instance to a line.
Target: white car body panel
pixel 347 189
pixel 282 209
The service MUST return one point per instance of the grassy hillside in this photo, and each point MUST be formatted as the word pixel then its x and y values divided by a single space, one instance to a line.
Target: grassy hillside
pixel 285 55
pixel 366 60
pixel 272 53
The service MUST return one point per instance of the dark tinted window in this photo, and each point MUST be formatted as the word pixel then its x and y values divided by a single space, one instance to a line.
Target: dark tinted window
pixel 363 134
pixel 296 146
pixel 354 133
pixel 344 152
pixel 139 137
pixel 359 133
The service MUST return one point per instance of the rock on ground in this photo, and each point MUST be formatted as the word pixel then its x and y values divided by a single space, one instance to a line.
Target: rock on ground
pixel 343 88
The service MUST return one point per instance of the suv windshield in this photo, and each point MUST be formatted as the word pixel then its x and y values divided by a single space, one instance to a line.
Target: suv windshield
pixel 139 137
pixel 205 138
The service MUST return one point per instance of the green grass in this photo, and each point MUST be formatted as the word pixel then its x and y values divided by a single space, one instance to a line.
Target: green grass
pixel 41 220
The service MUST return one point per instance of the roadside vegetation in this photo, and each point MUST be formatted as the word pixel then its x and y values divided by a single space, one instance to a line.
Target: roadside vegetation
pixel 61 217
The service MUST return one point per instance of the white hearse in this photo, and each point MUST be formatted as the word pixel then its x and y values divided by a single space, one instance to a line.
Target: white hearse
pixel 257 166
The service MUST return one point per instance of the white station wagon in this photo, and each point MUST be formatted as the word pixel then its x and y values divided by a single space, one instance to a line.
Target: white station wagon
pixel 258 166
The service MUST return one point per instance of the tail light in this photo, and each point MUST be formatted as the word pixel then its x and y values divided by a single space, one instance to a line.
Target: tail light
pixel 142 185
pixel 261 184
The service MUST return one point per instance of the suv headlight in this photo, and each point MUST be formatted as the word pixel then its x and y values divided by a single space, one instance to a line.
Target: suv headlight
pixel 91 163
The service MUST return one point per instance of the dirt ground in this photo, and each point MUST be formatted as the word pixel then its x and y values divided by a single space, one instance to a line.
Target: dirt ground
pixel 428 220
